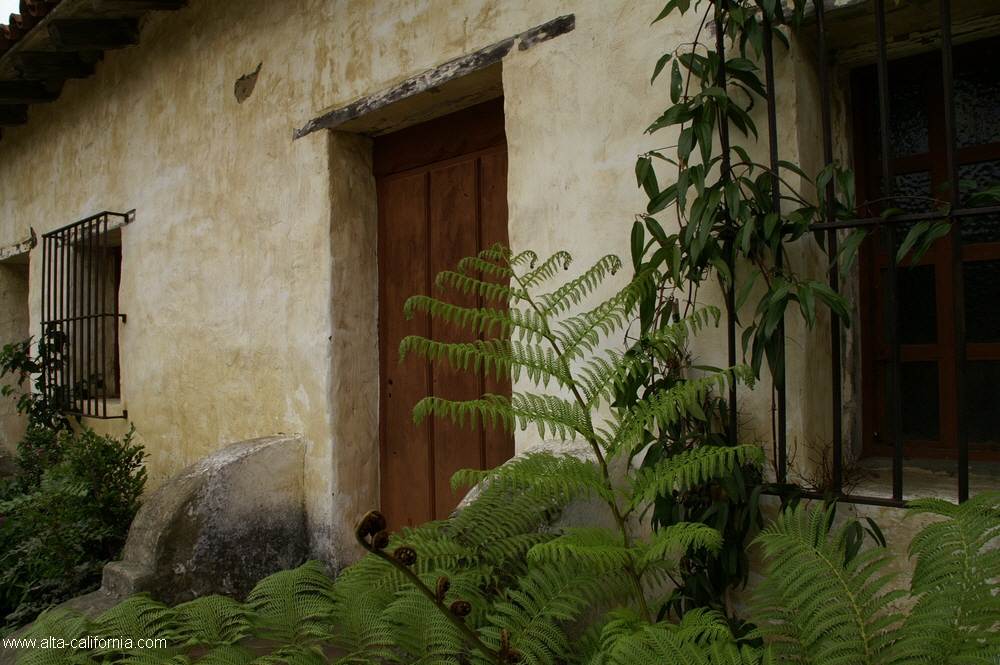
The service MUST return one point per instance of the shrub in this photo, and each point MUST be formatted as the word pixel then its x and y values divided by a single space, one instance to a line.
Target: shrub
pixel 68 509
pixel 65 515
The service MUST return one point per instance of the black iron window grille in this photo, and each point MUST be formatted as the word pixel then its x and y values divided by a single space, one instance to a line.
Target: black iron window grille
pixel 893 228
pixel 81 274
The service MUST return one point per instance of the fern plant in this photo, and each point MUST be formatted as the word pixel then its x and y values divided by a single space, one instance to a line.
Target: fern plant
pixel 559 345
pixel 494 583
pixel 820 604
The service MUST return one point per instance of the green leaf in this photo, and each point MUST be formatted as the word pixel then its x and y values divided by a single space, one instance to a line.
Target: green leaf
pixel 892 212
pixel 849 250
pixel 662 200
pixel 740 64
pixel 675 115
pixel 807 303
pixel 685 144
pixel 937 230
pixel 836 302
pixel 990 195
pixel 676 83
pixel 643 166
pixel 660 64
pixel 704 130
pixel 846 179
pixel 669 7
pixel 794 169
pixel 638 244
pixel 722 267
pixel 911 239
pixel 656 230
pixel 746 289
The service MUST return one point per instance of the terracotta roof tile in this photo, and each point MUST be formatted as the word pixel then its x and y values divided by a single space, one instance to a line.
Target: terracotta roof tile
pixel 31 12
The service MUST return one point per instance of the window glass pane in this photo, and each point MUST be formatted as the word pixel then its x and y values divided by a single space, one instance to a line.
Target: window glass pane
pixel 982 401
pixel 920 401
pixel 977 104
pixel 916 184
pixel 907 118
pixel 987 227
pixel 917 305
pixel 982 302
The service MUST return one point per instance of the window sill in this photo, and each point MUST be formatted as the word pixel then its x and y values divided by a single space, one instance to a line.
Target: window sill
pixel 924 478
pixel 116 409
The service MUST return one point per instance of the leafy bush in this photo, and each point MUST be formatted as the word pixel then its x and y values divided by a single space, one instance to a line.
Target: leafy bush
pixel 64 516
pixel 68 509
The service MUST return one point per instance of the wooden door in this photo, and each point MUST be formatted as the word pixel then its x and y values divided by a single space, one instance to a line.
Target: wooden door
pixel 442 196
pixel 925 292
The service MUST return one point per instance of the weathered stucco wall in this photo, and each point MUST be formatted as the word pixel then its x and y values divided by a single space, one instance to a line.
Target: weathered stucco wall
pixel 249 274
pixel 13 328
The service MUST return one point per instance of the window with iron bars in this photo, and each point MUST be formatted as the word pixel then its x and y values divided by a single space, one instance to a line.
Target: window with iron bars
pixel 924 113
pixel 81 276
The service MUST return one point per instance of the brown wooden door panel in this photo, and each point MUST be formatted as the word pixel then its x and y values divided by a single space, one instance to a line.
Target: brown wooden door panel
pixel 404 444
pixel 432 215
pixel 454 234
pixel 498 445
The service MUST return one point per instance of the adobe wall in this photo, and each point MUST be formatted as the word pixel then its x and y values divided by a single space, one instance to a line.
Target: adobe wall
pixel 13 328
pixel 249 273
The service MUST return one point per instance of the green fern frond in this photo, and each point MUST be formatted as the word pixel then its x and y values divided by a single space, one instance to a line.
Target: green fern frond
pixel 491 291
pixel 671 341
pixel 500 526
pixel 628 639
pixel 293 606
pixel 583 332
pixel 151 657
pixel 667 406
pixel 671 541
pixel 571 293
pixel 547 478
pixel 228 654
pixel 422 633
pixel 138 616
pixel 956 578
pixel 535 613
pixel 538 274
pixel 61 624
pixel 690 468
pixel 526 323
pixel 602 376
pixel 486 263
pixel 564 419
pixel 504 358
pixel 813 603
pixel 600 549
pixel 212 620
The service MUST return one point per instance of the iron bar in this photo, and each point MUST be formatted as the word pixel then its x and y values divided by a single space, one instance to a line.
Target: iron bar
pixel 831 248
pixel 957 265
pixel 889 290
pixel 72 287
pixel 102 291
pixel 720 48
pixel 772 134
pixel 78 304
pixel 898 219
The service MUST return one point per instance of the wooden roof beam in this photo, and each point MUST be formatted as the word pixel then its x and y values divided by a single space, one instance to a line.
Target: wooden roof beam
pixel 57 66
pixel 138 5
pixel 11 116
pixel 93 34
pixel 28 92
